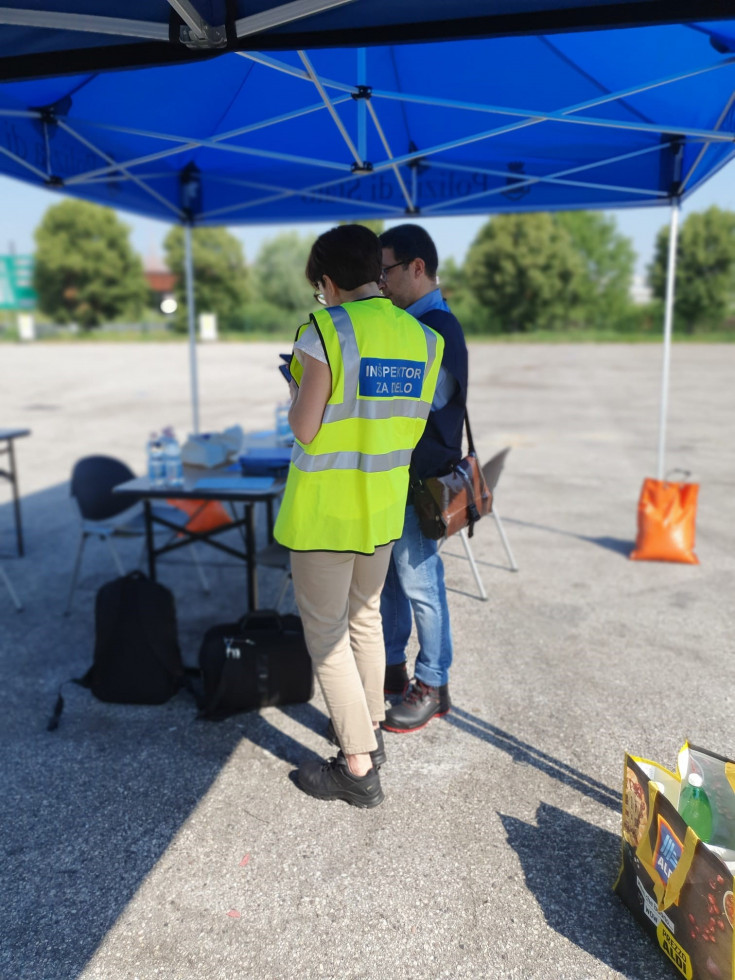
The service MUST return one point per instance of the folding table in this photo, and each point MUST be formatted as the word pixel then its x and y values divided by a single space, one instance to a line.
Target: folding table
pixel 221 484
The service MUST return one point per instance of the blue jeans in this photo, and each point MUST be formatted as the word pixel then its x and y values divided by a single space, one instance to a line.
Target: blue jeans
pixel 415 584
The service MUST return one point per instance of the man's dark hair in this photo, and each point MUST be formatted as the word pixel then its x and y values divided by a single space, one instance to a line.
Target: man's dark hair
pixel 349 254
pixel 411 242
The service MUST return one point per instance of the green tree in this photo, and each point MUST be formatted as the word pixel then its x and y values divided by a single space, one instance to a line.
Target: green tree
pixel 375 225
pixel 523 269
pixel 220 273
pixel 86 270
pixel 608 259
pixel 279 272
pixel 705 269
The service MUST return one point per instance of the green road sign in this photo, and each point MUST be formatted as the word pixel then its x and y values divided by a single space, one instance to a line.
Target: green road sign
pixel 16 282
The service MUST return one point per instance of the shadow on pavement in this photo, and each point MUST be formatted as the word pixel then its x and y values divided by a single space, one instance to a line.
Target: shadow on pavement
pixel 623 546
pixel 88 810
pixel 523 752
pixel 570 867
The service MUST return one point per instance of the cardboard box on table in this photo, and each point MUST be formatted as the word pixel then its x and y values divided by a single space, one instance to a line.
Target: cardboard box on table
pixel 680 889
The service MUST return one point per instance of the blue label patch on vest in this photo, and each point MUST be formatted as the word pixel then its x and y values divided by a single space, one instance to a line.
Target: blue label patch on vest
pixel 385 378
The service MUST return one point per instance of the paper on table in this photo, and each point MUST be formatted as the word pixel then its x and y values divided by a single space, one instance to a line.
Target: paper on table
pixel 234 483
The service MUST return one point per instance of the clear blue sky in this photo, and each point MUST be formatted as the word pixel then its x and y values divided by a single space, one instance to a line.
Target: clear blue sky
pixel 23 207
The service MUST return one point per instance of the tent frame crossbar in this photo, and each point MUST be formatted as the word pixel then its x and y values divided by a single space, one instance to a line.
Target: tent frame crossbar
pixel 85 23
pixel 723 115
pixel 212 143
pixel 284 14
pixel 330 108
pixel 198 32
pixel 316 191
pixel 557 178
pixel 143 186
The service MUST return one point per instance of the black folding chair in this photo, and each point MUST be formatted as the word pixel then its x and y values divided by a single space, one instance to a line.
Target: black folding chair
pixel 107 515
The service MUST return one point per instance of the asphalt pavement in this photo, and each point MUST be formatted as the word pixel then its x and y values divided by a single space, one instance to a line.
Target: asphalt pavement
pixel 142 844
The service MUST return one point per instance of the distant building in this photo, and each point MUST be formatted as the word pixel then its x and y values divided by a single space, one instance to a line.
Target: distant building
pixel 640 292
pixel 160 279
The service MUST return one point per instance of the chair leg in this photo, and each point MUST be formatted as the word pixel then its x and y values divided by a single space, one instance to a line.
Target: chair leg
pixel 501 532
pixel 284 588
pixel 115 556
pixel 75 572
pixel 202 577
pixel 16 601
pixel 473 563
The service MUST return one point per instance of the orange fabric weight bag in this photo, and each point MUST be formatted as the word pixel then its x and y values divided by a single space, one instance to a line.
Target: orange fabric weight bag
pixel 666 516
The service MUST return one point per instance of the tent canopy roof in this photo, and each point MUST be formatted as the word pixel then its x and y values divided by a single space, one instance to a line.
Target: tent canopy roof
pixel 601 119
pixel 47 37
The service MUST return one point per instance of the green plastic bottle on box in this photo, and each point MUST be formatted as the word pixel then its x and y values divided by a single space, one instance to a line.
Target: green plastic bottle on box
pixel 695 809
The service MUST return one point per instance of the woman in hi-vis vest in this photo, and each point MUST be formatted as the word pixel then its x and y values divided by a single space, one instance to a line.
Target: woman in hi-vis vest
pixel 364 374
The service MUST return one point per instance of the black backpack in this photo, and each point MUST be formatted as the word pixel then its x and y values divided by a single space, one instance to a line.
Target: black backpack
pixel 137 659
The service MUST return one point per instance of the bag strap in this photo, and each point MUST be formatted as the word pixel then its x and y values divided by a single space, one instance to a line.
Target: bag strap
pixel 470 441
pixel 55 718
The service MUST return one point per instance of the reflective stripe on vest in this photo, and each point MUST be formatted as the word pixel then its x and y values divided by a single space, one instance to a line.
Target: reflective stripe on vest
pixel 366 462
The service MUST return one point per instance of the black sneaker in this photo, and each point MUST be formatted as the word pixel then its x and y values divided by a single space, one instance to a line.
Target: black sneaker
pixel 396 679
pixel 332 780
pixel 420 705
pixel 377 755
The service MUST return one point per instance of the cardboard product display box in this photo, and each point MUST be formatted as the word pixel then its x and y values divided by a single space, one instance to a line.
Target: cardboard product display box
pixel 679 888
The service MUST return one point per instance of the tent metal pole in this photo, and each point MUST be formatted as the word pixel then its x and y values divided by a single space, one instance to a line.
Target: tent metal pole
pixel 668 323
pixel 191 314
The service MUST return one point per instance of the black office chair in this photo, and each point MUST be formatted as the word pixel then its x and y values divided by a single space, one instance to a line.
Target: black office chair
pixel 107 515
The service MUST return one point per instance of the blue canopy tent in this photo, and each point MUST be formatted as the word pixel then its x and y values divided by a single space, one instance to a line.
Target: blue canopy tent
pixel 601 119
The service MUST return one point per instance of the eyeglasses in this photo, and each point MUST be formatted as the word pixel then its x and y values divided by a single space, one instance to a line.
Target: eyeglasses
pixel 318 294
pixel 387 268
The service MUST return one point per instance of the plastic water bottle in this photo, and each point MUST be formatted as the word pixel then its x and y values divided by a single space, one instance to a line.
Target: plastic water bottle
pixel 695 808
pixel 156 472
pixel 284 435
pixel 173 466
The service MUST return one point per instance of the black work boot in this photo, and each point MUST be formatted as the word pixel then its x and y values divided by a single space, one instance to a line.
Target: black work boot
pixel 377 755
pixel 419 706
pixel 332 780
pixel 396 679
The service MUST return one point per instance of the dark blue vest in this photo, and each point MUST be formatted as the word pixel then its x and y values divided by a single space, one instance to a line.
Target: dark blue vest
pixel 440 447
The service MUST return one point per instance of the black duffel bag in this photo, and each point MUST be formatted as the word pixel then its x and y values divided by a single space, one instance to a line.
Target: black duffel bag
pixel 258 662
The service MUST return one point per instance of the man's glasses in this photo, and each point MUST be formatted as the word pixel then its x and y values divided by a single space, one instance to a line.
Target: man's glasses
pixel 386 269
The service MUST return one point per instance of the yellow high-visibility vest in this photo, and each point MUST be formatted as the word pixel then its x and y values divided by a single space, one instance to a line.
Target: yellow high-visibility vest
pixel 346 489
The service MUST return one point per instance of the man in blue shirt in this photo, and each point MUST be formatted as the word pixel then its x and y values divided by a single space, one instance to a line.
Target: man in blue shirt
pixel 414 586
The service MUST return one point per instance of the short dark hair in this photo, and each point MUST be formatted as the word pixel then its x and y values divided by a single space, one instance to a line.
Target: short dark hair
pixel 411 242
pixel 349 254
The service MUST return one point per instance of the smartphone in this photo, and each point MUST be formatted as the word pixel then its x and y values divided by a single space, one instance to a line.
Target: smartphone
pixel 283 368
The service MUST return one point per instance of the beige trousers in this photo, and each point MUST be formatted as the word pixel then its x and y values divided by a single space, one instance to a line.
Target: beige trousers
pixel 338 596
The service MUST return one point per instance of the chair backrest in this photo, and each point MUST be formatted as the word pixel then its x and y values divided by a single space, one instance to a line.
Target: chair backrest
pixel 494 467
pixel 92 480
